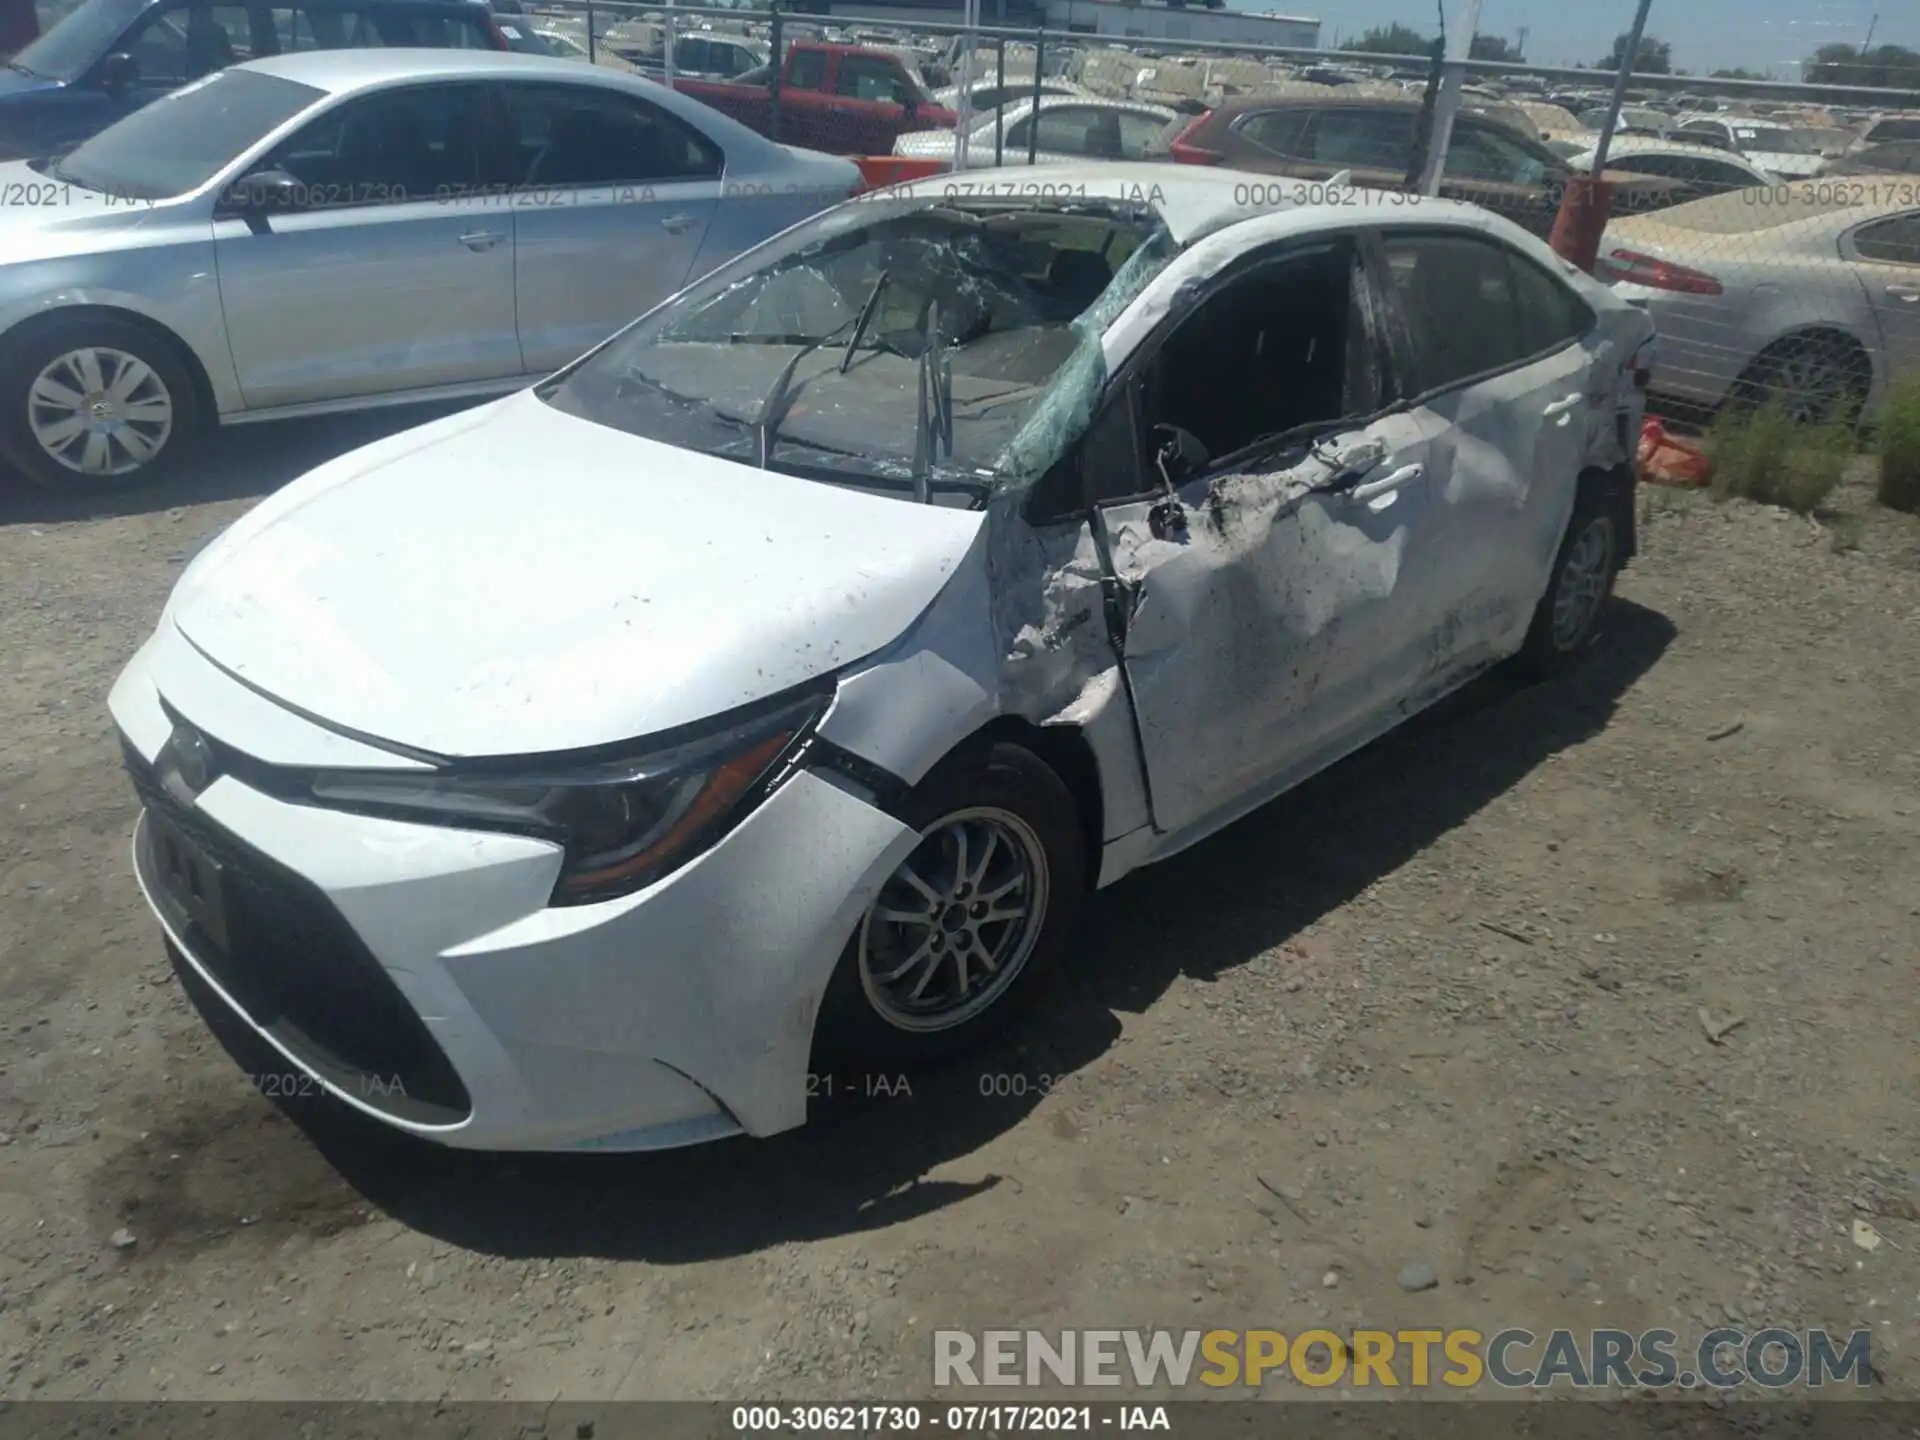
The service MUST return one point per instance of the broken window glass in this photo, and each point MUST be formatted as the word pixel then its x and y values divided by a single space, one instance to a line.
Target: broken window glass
pixel 1016 297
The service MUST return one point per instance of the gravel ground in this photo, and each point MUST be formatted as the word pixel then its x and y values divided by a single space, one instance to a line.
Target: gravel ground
pixel 1443 1007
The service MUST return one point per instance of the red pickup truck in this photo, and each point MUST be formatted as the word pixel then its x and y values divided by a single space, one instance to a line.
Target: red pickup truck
pixel 843 99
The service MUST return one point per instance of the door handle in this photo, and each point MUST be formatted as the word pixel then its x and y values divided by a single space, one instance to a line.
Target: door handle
pixel 1386 484
pixel 481 239
pixel 675 224
pixel 1908 293
pixel 1561 407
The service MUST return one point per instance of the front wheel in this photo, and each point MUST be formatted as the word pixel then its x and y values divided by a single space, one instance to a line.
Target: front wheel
pixel 956 940
pixel 94 404
pixel 1567 619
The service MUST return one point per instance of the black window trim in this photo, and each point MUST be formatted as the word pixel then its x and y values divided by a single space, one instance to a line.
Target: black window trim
pixel 1125 384
pixel 1402 350
pixel 1850 241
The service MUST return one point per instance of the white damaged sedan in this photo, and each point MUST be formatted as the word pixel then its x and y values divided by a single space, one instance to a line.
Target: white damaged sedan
pixel 762 693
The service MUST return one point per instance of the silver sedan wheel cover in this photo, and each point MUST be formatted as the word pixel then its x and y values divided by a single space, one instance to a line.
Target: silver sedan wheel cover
pixel 1811 383
pixel 954 925
pixel 100 412
pixel 1582 583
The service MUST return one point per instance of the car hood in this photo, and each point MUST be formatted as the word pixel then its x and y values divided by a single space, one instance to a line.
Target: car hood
pixel 514 581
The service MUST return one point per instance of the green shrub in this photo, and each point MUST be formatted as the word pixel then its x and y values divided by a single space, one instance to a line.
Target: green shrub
pixel 1762 455
pixel 1900 446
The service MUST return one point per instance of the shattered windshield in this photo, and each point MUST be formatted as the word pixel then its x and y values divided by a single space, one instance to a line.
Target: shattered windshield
pixel 893 344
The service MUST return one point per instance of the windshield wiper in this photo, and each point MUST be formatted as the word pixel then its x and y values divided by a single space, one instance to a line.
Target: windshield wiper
pixel 865 319
pixel 16 65
pixel 780 398
pixel 934 422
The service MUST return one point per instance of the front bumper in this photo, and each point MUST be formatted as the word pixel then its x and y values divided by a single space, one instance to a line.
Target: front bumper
pixel 417 974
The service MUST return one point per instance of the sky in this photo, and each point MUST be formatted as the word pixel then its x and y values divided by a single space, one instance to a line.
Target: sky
pixel 1705 34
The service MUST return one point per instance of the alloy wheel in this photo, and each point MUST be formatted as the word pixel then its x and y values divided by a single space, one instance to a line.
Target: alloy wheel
pixel 100 412
pixel 1812 383
pixel 954 925
pixel 1582 585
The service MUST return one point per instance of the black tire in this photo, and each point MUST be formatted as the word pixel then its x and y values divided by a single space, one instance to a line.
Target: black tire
pixel 1816 377
pixel 25 357
pixel 1551 647
pixel 1003 780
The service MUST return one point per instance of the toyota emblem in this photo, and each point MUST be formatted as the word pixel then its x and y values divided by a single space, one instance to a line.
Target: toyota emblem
pixel 193 757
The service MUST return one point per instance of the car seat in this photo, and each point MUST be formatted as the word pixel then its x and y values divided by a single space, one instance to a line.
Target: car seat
pixel 387 147
pixel 588 146
pixel 1075 279
pixel 1102 140
pixel 208 46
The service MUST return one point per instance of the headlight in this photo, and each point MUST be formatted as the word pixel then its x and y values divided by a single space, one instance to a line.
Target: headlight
pixel 623 823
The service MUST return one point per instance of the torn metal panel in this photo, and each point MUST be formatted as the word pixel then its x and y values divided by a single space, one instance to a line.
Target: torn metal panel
pixel 1275 618
pixel 1019 630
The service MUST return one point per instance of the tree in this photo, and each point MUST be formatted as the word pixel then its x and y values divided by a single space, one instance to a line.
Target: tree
pixel 1392 40
pixel 1656 56
pixel 1737 73
pixel 1494 47
pixel 1891 67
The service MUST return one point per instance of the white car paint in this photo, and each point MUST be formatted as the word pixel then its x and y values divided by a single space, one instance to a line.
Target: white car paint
pixel 942 145
pixel 401 660
pixel 1738 169
pixel 514 581
pixel 1778 281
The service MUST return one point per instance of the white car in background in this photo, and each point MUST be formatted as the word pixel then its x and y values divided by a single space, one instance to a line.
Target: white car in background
pixel 1792 154
pixel 1060 128
pixel 1703 168
pixel 1807 294
pixel 758 698
pixel 990 94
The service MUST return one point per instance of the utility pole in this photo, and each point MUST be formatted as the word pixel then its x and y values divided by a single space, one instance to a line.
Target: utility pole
pixel 1522 47
pixel 1627 61
pixel 1872 25
pixel 1448 103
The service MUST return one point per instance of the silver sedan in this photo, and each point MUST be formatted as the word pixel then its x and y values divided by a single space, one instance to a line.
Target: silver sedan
pixel 337 229
pixel 1805 294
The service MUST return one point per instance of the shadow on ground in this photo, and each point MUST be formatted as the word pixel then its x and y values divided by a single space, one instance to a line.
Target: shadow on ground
pixel 231 464
pixel 862 1163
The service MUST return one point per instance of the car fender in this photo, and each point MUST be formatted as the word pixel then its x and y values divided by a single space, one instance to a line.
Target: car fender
pixel 174 293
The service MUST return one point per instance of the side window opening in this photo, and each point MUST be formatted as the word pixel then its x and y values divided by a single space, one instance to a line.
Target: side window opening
pixel 567 139
pixel 1284 345
pixel 1456 294
pixel 807 71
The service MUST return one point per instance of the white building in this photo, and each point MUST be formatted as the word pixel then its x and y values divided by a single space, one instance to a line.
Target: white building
pixel 1123 21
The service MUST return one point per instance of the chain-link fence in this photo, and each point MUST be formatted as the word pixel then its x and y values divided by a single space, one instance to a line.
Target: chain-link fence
pixel 1772 230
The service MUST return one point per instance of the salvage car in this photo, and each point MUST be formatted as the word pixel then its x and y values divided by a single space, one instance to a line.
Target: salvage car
pixel 760 696
pixel 1806 295
pixel 1372 142
pixel 337 229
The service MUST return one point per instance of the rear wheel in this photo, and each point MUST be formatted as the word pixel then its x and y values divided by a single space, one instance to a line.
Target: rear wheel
pixel 1567 620
pixel 957 939
pixel 1812 377
pixel 94 404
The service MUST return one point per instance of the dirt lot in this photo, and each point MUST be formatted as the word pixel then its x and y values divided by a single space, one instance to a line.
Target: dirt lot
pixel 1443 1005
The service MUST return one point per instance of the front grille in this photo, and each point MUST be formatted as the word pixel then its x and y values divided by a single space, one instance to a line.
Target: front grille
pixel 295 966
